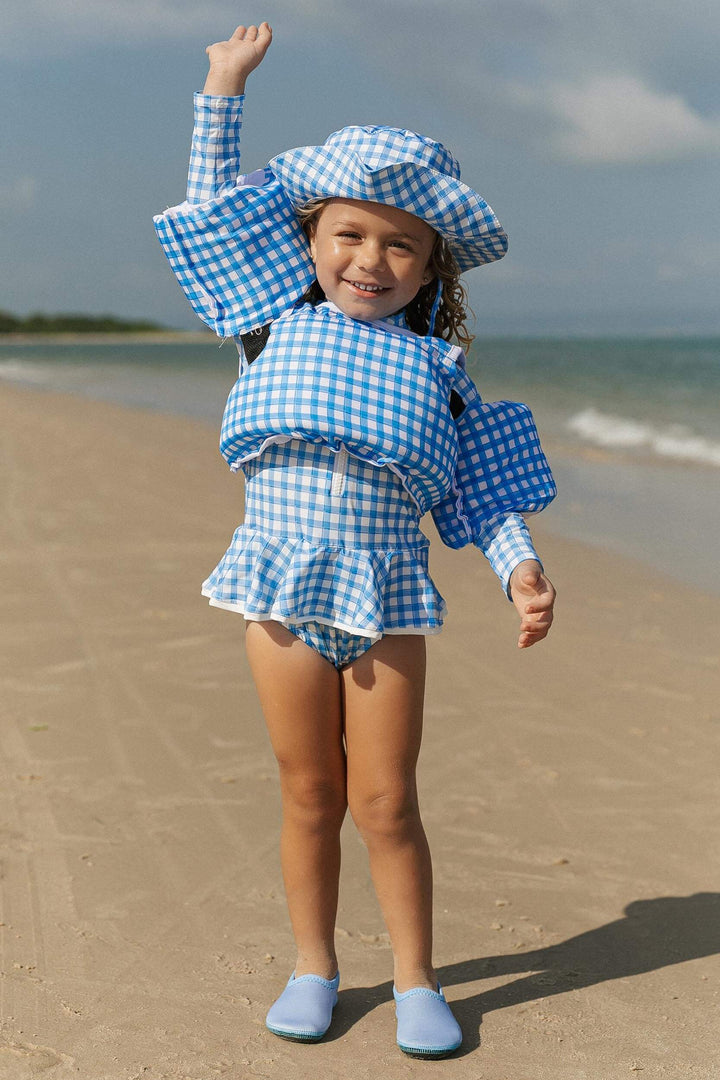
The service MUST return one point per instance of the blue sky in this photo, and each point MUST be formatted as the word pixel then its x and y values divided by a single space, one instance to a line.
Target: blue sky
pixel 593 129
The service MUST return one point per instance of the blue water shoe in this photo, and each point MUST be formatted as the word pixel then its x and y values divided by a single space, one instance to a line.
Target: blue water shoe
pixel 304 1009
pixel 425 1025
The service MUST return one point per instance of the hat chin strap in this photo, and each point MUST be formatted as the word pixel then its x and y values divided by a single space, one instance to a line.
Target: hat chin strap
pixel 436 305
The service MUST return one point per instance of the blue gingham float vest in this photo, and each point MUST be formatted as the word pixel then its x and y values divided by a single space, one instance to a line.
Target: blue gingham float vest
pixel 385 394
pixel 381 392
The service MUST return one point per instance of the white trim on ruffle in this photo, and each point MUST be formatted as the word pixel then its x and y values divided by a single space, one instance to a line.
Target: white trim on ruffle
pixel 374 635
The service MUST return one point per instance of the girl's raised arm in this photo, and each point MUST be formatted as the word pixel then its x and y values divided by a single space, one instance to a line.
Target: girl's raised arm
pixel 215 153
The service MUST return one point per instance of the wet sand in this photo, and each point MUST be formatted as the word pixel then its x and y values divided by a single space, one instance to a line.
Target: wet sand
pixel 570 794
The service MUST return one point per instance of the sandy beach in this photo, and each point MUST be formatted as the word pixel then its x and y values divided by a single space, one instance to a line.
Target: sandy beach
pixel 570 794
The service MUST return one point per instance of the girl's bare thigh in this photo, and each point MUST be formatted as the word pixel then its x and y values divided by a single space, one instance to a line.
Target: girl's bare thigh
pixel 383 692
pixel 301 697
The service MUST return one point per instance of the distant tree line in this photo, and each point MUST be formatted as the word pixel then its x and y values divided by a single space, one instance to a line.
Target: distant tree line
pixel 38 323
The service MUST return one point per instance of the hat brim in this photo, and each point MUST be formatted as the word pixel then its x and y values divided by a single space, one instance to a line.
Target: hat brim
pixel 459 214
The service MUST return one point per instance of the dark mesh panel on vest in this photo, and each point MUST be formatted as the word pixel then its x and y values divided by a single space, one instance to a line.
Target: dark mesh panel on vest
pixel 456 404
pixel 254 342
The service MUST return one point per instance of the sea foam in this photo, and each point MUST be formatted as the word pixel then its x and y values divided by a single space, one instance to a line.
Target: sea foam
pixel 619 432
pixel 24 371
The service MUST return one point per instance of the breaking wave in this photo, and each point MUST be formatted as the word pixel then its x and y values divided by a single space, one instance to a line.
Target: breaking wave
pixel 622 433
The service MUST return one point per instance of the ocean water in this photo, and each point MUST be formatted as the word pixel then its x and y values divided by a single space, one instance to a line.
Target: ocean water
pixel 631 426
pixel 632 430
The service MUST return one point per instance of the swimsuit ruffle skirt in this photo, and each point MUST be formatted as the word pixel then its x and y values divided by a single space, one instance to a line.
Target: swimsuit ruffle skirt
pixel 330 539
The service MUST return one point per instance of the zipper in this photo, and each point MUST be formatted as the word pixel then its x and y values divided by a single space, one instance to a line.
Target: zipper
pixel 339 472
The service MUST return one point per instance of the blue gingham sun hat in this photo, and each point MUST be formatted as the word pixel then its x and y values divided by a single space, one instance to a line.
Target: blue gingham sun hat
pixel 397 168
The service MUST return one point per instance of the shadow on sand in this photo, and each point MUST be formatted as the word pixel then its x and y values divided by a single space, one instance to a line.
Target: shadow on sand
pixel 653 934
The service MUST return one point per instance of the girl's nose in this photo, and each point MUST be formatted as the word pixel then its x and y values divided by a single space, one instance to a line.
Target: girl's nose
pixel 370 257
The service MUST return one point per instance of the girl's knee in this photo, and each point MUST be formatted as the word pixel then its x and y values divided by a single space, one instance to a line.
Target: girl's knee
pixel 313 802
pixel 389 813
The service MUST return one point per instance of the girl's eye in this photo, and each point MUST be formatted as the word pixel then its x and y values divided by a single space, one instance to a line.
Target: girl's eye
pixel 348 234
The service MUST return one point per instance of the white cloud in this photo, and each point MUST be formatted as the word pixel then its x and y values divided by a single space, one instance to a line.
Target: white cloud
pixel 619 119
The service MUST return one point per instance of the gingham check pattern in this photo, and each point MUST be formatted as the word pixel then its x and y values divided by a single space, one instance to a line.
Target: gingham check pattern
pixel 402 169
pixel 382 392
pixel 235 245
pixel 337 646
pixel 505 541
pixel 241 258
pixel 501 467
pixel 215 149
pixel 350 554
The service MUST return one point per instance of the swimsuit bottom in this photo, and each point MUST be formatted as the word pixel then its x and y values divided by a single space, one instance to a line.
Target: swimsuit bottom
pixel 332 541
pixel 337 646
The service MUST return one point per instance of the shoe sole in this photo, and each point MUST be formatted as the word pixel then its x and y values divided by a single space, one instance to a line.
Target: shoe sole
pixel 296 1036
pixel 414 1051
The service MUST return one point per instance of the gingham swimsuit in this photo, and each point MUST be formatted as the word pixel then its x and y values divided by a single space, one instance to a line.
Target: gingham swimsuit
pixel 331 548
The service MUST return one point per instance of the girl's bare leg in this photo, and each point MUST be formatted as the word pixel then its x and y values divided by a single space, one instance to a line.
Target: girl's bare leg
pixel 300 694
pixel 384 691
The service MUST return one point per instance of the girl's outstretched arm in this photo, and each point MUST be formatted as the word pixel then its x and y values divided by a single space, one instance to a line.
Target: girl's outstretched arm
pixel 534 597
pixel 232 61
pixel 215 154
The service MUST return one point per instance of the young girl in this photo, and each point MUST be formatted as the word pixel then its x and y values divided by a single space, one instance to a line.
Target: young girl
pixel 337 270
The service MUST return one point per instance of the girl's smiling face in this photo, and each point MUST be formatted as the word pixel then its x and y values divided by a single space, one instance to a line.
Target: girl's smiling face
pixel 370 259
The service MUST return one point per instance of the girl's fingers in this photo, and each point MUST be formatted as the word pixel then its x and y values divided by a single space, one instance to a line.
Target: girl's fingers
pixel 536 628
pixel 541 602
pixel 261 33
pixel 537 616
pixel 539 605
pixel 531 624
pixel 527 639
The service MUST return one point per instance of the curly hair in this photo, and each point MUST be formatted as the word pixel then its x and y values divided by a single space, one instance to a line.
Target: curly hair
pixel 450 320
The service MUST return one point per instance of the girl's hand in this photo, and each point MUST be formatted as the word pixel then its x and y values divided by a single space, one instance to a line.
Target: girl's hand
pixel 232 61
pixel 534 597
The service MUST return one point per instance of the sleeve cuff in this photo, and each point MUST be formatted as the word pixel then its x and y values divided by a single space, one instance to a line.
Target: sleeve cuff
pixel 506 542
pixel 214 108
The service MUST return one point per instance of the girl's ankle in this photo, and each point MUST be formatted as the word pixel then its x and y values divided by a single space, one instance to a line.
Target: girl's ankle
pixel 411 978
pixel 326 969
